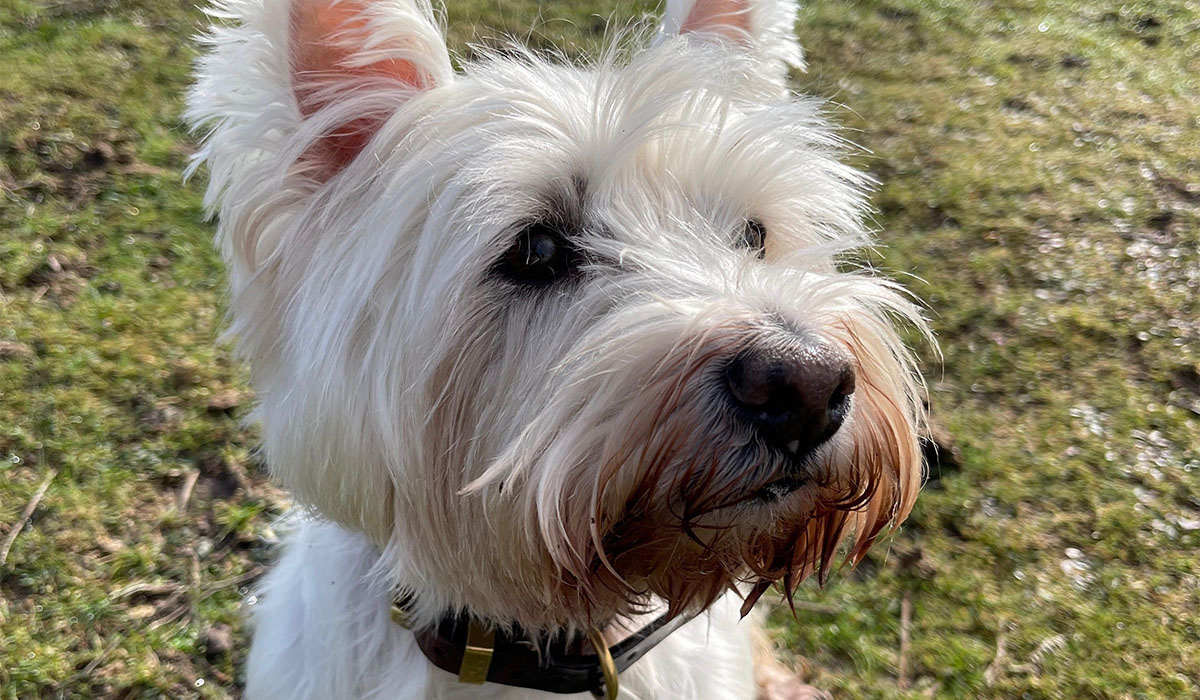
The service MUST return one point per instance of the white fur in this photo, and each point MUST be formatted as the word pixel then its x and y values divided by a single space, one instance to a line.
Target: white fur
pixel 322 631
pixel 770 36
pixel 479 444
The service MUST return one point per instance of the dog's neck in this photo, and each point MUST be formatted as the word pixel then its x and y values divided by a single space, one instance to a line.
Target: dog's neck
pixel 559 663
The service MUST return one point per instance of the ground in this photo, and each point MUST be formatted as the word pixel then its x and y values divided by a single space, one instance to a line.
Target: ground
pixel 1040 191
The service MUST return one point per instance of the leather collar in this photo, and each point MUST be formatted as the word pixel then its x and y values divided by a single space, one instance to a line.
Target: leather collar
pixel 475 653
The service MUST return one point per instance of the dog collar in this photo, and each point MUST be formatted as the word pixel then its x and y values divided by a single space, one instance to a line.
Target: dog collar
pixel 478 654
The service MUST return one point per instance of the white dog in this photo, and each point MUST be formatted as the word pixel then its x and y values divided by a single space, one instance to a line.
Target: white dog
pixel 556 357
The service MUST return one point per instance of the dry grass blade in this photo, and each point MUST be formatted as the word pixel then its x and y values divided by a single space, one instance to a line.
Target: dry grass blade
pixel 213 588
pixel 94 664
pixel 905 680
pixel 26 514
pixel 185 490
pixel 146 588
pixel 992 673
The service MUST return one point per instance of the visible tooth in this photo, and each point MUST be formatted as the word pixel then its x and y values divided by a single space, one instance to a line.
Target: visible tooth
pixel 793 446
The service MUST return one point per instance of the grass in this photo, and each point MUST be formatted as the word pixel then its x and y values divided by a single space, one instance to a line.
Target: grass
pixel 1040 192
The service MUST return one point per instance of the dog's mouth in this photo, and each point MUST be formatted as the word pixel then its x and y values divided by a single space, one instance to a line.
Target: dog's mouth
pixel 752 475
pixel 779 488
pixel 798 471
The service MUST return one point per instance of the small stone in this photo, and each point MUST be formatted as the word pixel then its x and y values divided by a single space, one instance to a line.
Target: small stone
pixel 109 545
pixel 225 400
pixel 11 349
pixel 140 612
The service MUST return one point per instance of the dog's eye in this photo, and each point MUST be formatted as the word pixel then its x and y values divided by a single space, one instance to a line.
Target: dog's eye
pixel 754 237
pixel 540 255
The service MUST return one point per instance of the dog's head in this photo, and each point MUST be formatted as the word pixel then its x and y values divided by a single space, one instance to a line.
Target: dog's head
pixel 559 339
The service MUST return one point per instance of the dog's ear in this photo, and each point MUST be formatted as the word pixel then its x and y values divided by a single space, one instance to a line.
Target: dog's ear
pixel 297 88
pixel 763 28
pixel 353 63
pixel 287 94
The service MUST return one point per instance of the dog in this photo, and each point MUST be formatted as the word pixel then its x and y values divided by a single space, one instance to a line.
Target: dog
pixel 564 365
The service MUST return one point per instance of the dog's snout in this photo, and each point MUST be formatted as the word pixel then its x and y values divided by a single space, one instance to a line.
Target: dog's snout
pixel 796 394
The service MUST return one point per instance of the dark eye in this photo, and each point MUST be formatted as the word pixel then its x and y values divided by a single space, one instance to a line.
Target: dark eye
pixel 754 237
pixel 541 254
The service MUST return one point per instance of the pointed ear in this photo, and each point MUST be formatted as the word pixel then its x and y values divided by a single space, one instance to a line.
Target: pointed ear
pixel 763 28
pixel 353 63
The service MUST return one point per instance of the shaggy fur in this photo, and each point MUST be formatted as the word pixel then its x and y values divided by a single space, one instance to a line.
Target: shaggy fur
pixel 556 455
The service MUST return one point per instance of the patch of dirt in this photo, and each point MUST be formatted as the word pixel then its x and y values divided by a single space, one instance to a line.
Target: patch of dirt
pixel 220 479
pixel 1187 378
pixel 941 452
pixel 59 278
pixel 162 416
pixel 77 170
pixel 217 642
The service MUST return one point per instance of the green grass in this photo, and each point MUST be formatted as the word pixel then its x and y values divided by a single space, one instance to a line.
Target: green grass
pixel 1040 191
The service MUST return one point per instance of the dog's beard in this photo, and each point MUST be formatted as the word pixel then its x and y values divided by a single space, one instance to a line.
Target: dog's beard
pixel 629 481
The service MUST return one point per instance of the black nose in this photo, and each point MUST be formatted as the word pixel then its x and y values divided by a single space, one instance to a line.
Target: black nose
pixel 796 393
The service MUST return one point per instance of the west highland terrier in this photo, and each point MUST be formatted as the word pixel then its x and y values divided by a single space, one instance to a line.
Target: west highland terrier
pixel 563 362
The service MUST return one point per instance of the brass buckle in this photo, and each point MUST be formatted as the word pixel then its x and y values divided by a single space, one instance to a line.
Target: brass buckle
pixel 607 667
pixel 400 616
pixel 477 655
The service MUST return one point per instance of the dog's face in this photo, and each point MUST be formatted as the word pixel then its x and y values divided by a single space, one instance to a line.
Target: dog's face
pixel 558 339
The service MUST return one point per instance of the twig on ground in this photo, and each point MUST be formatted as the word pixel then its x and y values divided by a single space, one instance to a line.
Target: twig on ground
pixel 238 472
pixel 1048 647
pixel 177 603
pixel 207 591
pixel 992 673
pixel 194 585
pixel 177 613
pixel 220 675
pixel 194 574
pixel 185 490
pixel 25 515
pixel 905 625
pixel 147 588
pixel 97 660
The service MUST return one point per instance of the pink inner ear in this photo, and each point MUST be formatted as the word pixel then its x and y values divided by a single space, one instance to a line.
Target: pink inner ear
pixel 729 19
pixel 324 34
